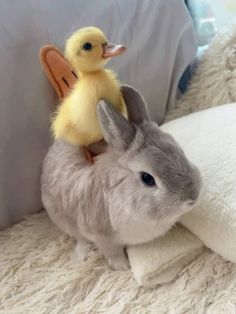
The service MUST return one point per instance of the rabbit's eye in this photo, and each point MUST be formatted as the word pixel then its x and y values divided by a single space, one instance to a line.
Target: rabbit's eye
pixel 87 46
pixel 147 179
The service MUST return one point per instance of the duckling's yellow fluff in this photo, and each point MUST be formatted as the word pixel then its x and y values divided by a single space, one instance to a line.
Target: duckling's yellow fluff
pixel 76 119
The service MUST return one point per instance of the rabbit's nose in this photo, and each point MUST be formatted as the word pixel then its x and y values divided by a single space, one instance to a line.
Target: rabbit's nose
pixel 193 195
pixel 190 203
pixel 191 198
pixel 193 186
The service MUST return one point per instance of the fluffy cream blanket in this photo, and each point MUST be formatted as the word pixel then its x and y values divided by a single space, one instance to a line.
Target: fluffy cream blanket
pixel 37 274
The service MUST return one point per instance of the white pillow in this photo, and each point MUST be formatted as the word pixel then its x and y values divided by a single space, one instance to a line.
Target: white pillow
pixel 209 140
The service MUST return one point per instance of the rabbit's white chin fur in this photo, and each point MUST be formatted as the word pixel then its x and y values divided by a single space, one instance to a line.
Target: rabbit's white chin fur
pixel 133 230
pixel 143 231
pixel 109 202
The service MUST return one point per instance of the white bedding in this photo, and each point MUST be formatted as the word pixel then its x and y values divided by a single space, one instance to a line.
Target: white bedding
pixel 209 140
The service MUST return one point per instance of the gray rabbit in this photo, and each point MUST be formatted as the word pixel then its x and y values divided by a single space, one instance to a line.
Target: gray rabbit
pixel 134 192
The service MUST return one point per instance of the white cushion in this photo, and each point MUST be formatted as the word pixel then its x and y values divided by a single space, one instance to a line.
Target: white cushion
pixel 209 140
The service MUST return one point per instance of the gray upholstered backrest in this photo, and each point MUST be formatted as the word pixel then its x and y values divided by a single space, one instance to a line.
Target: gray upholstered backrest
pixel 160 43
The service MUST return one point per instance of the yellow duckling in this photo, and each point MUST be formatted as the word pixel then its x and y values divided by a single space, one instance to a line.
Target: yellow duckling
pixel 76 119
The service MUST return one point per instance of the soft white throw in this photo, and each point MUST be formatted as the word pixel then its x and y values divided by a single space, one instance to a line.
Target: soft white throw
pixel 209 140
pixel 163 259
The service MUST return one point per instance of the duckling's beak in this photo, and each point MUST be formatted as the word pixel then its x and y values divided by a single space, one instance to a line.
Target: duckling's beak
pixel 110 50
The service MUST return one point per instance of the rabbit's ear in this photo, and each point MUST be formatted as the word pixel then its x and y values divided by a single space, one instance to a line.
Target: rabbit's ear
pixel 117 131
pixel 136 105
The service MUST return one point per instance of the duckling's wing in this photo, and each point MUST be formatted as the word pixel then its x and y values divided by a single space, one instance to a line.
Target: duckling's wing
pixel 58 70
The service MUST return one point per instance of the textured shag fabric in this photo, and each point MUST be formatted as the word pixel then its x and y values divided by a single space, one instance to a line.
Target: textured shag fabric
pixel 214 82
pixel 161 260
pixel 37 274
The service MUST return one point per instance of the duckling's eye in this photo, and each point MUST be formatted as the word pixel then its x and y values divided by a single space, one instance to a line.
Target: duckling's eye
pixel 87 46
pixel 147 179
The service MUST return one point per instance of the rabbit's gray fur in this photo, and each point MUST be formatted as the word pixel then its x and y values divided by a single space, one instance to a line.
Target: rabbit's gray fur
pixel 107 203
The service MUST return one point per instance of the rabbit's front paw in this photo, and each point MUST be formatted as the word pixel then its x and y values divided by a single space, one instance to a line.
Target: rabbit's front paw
pixel 82 250
pixel 119 262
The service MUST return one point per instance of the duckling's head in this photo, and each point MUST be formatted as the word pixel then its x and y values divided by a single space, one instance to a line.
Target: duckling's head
pixel 88 49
